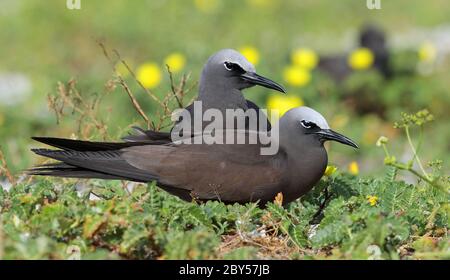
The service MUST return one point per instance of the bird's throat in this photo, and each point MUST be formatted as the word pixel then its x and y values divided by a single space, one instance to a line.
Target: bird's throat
pixel 229 98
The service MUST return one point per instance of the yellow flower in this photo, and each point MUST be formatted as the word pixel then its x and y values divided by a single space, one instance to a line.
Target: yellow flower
pixel 296 76
pixel 353 168
pixel 176 62
pixel 149 74
pixel 250 53
pixel 361 59
pixel 330 170
pixel 207 6
pixel 283 103
pixel 305 58
pixel 427 52
pixel 372 199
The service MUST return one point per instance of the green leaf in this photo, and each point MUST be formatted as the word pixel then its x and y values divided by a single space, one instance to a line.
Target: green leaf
pixel 131 238
pixel 296 233
pixel 199 216
pixel 391 173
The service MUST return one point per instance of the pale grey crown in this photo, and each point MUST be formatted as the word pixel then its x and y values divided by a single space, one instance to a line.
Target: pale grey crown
pixel 306 114
pixel 232 56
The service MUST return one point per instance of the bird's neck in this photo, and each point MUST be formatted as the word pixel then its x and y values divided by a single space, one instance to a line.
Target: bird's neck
pixel 216 95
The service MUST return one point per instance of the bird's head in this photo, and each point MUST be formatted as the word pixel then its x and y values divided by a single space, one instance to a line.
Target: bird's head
pixel 229 68
pixel 312 127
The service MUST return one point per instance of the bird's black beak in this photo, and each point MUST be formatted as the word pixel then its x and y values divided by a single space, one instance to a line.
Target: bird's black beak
pixel 262 81
pixel 328 134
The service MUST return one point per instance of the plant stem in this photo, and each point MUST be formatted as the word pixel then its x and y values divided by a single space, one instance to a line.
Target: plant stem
pixel 426 179
pixel 416 156
pixel 385 150
pixel 432 217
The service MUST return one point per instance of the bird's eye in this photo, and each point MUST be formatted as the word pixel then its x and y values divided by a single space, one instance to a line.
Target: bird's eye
pixel 307 124
pixel 229 66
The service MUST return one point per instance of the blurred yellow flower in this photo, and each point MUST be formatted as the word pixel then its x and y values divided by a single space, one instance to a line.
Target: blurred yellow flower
pixel 176 62
pixel 372 199
pixel 149 74
pixel 122 70
pixel 361 59
pixel 330 170
pixel 207 6
pixel 305 58
pixel 296 76
pixel 283 103
pixel 250 53
pixel 427 52
pixel 353 168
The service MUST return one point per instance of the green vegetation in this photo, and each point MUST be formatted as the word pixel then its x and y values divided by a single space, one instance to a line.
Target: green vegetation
pixel 344 217
pixel 363 210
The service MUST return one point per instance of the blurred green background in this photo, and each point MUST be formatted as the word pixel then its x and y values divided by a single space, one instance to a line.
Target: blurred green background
pixel 43 42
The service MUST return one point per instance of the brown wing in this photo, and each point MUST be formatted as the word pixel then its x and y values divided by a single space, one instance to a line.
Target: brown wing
pixel 231 172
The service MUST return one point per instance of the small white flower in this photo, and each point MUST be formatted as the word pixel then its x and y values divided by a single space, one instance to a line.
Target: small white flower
pixel 74 252
pixel 256 233
pixel 24 236
pixel 374 252
pixel 312 231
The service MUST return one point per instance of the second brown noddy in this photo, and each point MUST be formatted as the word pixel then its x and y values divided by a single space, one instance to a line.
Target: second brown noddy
pixel 225 172
pixel 225 74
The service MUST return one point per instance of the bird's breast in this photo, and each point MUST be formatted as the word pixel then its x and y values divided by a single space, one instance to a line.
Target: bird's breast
pixel 304 173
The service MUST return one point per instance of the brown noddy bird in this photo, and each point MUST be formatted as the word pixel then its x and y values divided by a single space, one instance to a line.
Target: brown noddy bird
pixel 226 172
pixel 224 76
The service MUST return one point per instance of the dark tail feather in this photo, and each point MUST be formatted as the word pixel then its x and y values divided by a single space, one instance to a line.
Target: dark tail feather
pixel 68 171
pixel 90 164
pixel 84 146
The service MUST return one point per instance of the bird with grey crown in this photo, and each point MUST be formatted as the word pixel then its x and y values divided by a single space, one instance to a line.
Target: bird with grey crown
pixel 225 172
pixel 224 76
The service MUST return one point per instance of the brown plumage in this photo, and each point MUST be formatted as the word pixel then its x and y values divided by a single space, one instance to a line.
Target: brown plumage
pixel 226 172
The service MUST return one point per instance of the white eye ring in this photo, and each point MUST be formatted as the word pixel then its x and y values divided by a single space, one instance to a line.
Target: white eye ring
pixel 226 66
pixel 306 124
